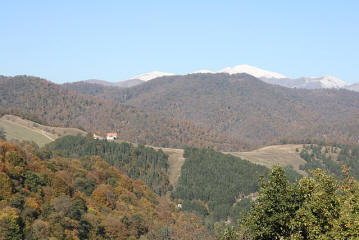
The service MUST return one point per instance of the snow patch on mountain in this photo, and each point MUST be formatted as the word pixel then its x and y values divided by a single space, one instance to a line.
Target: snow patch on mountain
pixel 307 82
pixel 151 75
pixel 329 82
pixel 254 71
pixel 353 87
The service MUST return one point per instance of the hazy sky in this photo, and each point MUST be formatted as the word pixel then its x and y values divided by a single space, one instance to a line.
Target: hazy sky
pixel 113 40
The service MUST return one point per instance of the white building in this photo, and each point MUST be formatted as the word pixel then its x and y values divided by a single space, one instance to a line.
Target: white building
pixel 111 136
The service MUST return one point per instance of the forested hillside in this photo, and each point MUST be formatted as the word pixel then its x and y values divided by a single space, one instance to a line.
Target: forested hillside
pixel 244 107
pixel 212 184
pixel 140 162
pixel 82 198
pixel 331 158
pixel 47 102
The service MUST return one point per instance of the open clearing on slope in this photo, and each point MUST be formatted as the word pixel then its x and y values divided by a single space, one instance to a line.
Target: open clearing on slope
pixel 175 162
pixel 21 133
pixel 283 155
pixel 22 129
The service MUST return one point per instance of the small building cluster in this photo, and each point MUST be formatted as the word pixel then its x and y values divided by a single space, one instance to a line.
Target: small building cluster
pixel 109 136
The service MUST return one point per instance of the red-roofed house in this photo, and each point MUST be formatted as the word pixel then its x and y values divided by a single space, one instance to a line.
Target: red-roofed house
pixel 111 136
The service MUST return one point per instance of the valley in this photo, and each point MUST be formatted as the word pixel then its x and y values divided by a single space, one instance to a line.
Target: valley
pixel 203 142
pixel 26 130
pixel 217 186
pixel 179 120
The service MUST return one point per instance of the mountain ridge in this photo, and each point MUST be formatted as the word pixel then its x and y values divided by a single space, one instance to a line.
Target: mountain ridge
pixel 264 75
pixel 65 107
pixel 241 105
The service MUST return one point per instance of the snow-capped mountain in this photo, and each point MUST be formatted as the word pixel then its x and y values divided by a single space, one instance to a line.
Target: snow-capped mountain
pixel 100 82
pixel 307 82
pixel 353 87
pixel 279 79
pixel 254 71
pixel 264 75
pixel 151 75
pixel 324 82
pixel 122 84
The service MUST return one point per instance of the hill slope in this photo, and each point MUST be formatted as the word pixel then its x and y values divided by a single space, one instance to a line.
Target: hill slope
pixel 62 107
pixel 283 155
pixel 138 162
pixel 244 107
pixel 14 131
pixel 83 198
pixel 23 129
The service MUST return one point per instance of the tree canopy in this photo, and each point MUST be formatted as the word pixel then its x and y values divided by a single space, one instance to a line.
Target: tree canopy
pixel 139 162
pixel 316 207
pixel 211 183
pixel 82 198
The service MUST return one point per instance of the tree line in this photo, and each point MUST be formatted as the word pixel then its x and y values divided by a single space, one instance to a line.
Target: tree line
pixel 82 198
pixel 139 162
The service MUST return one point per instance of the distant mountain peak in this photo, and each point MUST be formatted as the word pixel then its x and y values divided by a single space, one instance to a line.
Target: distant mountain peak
pixel 254 71
pixel 264 75
pixel 151 75
pixel 327 81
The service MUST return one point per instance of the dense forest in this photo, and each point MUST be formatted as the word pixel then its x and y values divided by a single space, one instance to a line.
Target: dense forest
pixel 45 102
pixel 82 198
pixel 139 162
pixel 330 158
pixel 241 106
pixel 316 207
pixel 212 184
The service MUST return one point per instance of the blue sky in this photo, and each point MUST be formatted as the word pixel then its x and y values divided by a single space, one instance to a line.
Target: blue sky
pixel 66 41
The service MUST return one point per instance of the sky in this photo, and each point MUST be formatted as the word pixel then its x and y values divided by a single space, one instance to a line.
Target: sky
pixel 66 41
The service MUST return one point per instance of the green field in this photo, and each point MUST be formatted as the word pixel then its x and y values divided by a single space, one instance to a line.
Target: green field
pixel 20 129
pixel 21 133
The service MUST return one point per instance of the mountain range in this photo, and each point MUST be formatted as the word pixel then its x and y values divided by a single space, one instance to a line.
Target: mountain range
pixel 52 104
pixel 264 75
pixel 242 107
pixel 227 111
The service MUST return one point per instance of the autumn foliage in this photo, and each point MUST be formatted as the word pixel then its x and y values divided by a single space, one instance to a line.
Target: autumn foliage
pixel 44 199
